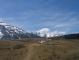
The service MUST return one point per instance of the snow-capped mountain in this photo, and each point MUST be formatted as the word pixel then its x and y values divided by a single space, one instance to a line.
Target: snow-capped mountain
pixel 11 32
pixel 45 32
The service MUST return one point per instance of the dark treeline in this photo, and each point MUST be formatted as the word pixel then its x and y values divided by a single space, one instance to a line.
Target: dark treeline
pixel 71 36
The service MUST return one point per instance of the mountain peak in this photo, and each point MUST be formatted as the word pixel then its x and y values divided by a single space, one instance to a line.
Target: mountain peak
pixel 11 32
pixel 2 23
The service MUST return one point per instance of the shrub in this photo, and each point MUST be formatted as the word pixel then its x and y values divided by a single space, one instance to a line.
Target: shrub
pixel 67 59
pixel 39 56
pixel 21 53
pixel 64 51
pixel 54 55
pixel 18 46
pixel 58 57
pixel 75 57
pixel 8 58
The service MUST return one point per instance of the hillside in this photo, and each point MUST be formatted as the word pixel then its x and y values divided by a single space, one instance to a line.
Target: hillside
pixel 31 50
pixel 9 32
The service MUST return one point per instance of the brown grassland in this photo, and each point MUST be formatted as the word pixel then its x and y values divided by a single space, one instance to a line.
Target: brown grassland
pixel 32 50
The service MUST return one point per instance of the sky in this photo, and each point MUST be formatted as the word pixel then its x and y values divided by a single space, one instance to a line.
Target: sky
pixel 34 15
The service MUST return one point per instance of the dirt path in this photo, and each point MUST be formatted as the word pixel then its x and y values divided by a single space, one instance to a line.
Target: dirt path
pixel 30 52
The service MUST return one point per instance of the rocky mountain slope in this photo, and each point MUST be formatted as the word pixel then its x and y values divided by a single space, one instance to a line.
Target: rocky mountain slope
pixel 11 32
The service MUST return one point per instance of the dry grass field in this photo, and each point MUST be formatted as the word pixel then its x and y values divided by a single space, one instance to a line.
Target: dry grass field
pixel 52 50
pixel 12 50
pixel 57 50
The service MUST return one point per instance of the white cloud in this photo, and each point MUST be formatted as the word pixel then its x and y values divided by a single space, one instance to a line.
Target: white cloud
pixel 46 32
pixel 64 25
pixel 73 22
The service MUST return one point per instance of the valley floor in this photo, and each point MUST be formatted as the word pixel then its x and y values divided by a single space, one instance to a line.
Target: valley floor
pixel 30 52
pixel 52 50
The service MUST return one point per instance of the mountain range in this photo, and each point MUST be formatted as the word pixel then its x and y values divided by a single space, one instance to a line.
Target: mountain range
pixel 11 32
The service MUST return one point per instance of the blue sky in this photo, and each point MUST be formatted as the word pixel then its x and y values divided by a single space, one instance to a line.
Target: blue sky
pixel 33 15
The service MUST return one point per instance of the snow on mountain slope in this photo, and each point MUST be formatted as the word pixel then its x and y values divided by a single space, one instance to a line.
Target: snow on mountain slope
pixel 1 34
pixel 45 32
pixel 11 32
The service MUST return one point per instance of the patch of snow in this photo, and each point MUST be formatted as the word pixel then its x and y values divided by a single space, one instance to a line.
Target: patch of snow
pixel 42 41
pixel 45 32
pixel 1 34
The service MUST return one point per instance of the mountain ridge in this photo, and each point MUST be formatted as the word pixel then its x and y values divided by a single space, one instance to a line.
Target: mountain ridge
pixel 11 32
